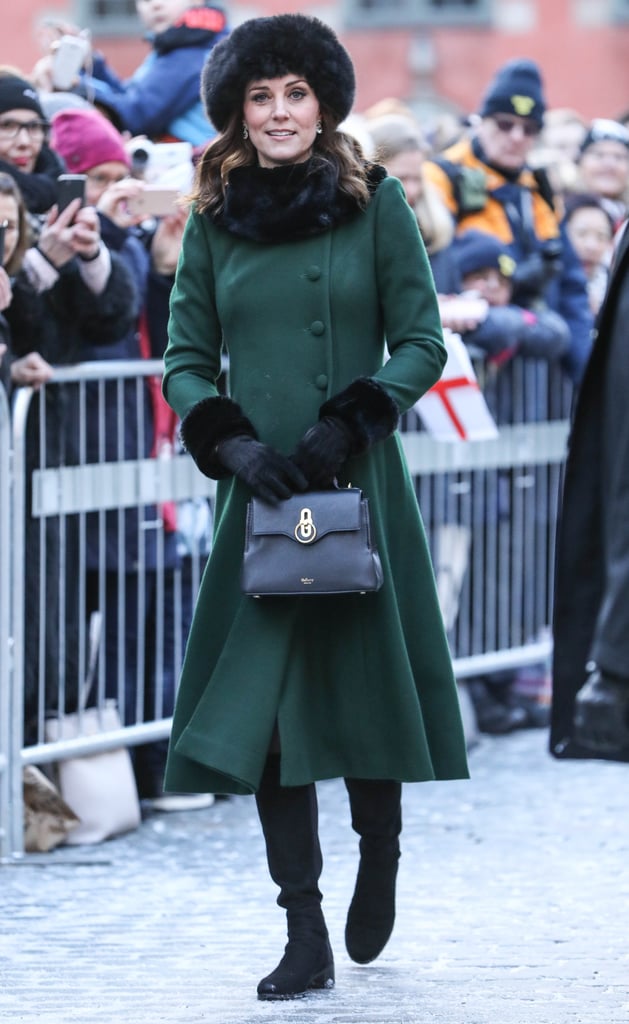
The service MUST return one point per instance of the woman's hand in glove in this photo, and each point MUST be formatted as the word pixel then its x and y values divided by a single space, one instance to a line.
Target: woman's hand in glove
pixel 270 475
pixel 322 451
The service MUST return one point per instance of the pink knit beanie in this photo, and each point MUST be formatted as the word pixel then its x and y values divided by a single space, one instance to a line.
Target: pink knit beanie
pixel 85 139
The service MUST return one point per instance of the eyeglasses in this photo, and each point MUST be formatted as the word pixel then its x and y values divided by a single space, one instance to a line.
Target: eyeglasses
pixel 507 124
pixel 105 180
pixel 35 129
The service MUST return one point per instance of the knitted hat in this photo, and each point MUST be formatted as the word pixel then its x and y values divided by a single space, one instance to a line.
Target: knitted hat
pixel 478 250
pixel 603 129
pixel 85 138
pixel 516 89
pixel 270 48
pixel 18 94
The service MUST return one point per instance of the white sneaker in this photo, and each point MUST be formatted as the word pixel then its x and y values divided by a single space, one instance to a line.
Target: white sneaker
pixel 180 802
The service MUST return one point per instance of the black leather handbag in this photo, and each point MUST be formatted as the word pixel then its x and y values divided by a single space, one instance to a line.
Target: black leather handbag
pixel 314 543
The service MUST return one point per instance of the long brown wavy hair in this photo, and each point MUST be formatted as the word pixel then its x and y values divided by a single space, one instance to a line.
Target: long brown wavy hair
pixel 8 187
pixel 230 150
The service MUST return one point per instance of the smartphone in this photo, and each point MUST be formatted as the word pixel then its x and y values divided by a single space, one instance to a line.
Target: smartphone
pixel 67 61
pixel 154 201
pixel 3 228
pixel 69 187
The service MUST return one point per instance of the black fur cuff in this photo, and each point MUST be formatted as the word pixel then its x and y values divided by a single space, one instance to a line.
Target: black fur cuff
pixel 366 409
pixel 207 424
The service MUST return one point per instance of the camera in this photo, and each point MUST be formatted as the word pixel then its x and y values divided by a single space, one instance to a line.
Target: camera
pixel 140 156
pixel 167 164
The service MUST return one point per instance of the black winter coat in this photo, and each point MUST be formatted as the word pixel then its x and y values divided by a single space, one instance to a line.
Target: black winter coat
pixel 591 614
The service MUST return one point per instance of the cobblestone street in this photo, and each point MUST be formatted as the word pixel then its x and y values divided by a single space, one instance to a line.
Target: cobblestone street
pixel 512 908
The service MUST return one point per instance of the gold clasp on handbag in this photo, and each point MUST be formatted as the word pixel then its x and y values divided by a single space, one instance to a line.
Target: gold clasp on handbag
pixel 305 531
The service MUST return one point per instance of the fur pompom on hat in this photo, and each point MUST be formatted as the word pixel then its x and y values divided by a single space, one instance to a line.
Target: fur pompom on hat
pixel 516 89
pixel 270 48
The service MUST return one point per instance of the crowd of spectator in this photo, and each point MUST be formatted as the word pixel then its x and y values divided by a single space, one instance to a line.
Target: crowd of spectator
pixel 518 206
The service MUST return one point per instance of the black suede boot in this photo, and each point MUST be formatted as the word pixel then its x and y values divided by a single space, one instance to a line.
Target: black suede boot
pixel 289 819
pixel 377 818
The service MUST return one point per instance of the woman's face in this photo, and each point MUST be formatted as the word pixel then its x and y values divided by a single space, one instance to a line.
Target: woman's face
pixel 604 168
pixel 22 135
pixel 590 232
pixel 281 116
pixel 408 168
pixel 9 216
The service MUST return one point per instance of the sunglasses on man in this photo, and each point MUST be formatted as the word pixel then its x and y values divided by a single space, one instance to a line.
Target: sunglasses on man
pixel 507 124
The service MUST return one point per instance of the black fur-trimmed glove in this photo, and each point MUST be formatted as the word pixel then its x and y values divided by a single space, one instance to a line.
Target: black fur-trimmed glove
pixel 223 441
pixel 270 475
pixel 349 424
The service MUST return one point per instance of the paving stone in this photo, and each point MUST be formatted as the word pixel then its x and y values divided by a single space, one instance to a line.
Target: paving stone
pixel 513 895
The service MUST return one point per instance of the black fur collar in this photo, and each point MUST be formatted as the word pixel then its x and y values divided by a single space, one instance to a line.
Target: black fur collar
pixel 285 204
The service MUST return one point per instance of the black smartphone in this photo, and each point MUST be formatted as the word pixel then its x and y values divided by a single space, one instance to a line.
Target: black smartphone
pixel 3 228
pixel 69 187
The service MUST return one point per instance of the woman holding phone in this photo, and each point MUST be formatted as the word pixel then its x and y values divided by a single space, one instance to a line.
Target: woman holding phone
pixel 53 305
pixel 30 369
pixel 24 150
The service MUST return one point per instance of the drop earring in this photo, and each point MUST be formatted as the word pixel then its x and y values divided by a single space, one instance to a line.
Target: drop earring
pixel 319 127
pixel 245 131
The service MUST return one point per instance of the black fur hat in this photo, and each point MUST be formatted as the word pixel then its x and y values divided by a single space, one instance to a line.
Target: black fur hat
pixel 272 47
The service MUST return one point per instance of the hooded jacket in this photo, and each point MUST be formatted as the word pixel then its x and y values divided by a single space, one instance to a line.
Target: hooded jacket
pixel 161 98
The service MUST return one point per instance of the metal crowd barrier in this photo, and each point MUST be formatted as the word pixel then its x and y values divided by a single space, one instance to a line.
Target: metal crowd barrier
pixel 5 625
pixel 78 498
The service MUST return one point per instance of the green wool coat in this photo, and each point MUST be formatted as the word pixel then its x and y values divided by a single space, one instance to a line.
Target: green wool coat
pixel 360 686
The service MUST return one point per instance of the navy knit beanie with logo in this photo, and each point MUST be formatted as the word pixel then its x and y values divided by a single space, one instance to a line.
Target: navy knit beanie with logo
pixel 516 89
pixel 18 94
pixel 478 250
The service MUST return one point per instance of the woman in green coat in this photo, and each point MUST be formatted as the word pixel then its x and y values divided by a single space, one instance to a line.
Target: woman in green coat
pixel 299 260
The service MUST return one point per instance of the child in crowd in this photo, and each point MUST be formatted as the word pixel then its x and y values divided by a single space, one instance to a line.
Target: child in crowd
pixel 161 99
pixel 498 326
pixel 515 389
pixel 590 228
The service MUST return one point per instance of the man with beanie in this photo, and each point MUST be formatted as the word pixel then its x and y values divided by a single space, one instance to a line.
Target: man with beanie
pixel 24 151
pixel 487 186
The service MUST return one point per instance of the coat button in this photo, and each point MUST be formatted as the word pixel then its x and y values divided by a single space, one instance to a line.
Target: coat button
pixel 322 381
pixel 317 327
pixel 313 273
